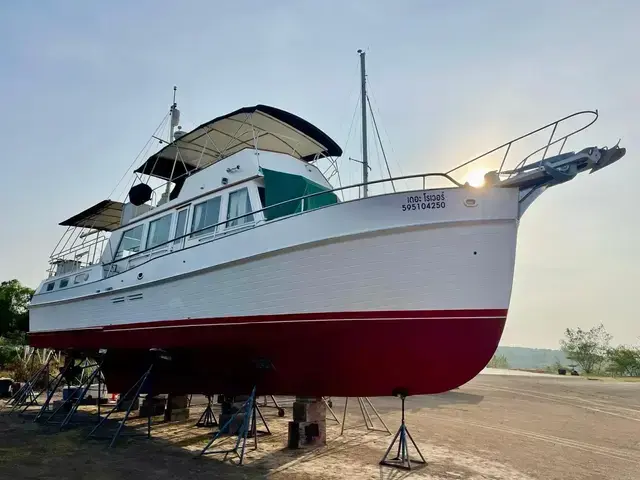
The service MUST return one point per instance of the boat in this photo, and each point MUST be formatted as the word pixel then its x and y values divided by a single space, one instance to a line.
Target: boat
pixel 246 267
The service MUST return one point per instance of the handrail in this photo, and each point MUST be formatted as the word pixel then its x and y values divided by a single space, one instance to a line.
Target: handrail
pixel 546 147
pixel 297 199
pixel 394 179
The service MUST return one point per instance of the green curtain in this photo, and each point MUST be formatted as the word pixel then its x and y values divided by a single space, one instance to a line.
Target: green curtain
pixel 280 187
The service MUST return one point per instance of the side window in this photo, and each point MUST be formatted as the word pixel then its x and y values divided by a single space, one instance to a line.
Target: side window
pixel 205 215
pixel 239 204
pixel 130 242
pixel 83 277
pixel 159 231
pixel 181 224
pixel 50 286
pixel 64 282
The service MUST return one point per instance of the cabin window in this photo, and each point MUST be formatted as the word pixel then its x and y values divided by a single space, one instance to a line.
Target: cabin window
pixel 64 282
pixel 205 214
pixel 130 242
pixel 159 231
pixel 263 202
pixel 50 286
pixel 83 277
pixel 181 224
pixel 239 204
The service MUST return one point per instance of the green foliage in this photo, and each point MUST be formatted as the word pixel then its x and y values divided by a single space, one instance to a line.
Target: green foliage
pixel 14 316
pixel 532 358
pixel 624 361
pixel 557 365
pixel 588 348
pixel 498 361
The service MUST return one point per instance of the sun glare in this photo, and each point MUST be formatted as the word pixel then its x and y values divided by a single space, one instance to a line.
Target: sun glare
pixel 475 178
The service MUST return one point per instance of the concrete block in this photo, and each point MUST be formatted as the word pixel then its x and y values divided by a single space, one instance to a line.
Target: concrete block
pixel 178 414
pixel 309 426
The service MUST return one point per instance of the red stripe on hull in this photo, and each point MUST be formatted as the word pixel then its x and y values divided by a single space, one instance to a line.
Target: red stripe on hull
pixel 339 354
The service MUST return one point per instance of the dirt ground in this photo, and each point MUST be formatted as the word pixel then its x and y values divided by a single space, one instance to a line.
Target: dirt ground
pixel 495 427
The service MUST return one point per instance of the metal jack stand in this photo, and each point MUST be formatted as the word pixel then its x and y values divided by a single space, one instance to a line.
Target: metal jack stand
pixel 25 396
pixel 84 388
pixel 57 381
pixel 22 397
pixel 402 459
pixel 276 405
pixel 249 417
pixel 137 388
pixel 207 419
pixel 329 404
pixel 254 432
pixel 368 421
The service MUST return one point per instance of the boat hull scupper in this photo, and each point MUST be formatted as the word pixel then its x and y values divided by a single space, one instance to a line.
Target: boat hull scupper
pixel 354 299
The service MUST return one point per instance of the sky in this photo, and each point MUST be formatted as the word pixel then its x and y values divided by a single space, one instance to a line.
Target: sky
pixel 84 85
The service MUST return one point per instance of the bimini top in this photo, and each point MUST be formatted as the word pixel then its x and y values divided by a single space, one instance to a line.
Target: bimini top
pixel 268 128
pixel 104 216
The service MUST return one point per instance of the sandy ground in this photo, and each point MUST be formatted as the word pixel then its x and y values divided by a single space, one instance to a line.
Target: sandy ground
pixel 495 427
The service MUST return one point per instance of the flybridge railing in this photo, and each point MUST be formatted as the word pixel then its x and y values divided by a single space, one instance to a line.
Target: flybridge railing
pixel 553 126
pixel 79 248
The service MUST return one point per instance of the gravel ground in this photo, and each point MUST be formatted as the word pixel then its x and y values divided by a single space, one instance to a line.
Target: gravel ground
pixel 495 427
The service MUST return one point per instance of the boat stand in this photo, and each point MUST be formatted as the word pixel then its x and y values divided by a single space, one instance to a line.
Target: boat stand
pixel 368 421
pixel 250 409
pixel 64 374
pixel 402 459
pixel 254 432
pixel 208 418
pixel 329 405
pixel 83 388
pixel 135 389
pixel 25 396
pixel 275 405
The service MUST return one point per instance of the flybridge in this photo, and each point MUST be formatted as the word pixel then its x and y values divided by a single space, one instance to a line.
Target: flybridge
pixel 259 127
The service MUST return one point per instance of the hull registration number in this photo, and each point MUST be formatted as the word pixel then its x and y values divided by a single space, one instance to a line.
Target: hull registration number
pixel 426 201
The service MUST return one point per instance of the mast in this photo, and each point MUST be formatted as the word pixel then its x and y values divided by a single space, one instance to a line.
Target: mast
pixel 365 159
pixel 175 115
pixel 173 123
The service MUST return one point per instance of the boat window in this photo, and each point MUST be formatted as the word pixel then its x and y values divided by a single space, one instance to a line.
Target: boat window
pixel 130 242
pixel 159 231
pixel 181 224
pixel 64 282
pixel 83 277
pixel 50 286
pixel 205 214
pixel 263 202
pixel 239 204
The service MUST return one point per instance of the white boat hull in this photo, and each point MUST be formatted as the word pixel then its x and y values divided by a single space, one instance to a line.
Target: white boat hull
pixel 343 272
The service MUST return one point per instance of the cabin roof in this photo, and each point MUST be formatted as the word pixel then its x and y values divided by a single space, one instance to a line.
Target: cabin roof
pixel 104 215
pixel 270 128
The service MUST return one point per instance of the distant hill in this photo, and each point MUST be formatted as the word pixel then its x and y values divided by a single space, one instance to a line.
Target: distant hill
pixel 521 357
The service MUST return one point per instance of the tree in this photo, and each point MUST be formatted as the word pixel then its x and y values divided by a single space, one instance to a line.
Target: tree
pixel 588 348
pixel 498 361
pixel 624 361
pixel 14 316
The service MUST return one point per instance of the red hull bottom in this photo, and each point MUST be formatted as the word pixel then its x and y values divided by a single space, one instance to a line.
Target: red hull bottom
pixel 338 354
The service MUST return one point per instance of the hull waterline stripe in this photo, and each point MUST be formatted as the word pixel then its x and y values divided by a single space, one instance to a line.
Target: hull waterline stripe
pixel 118 328
pixel 296 321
